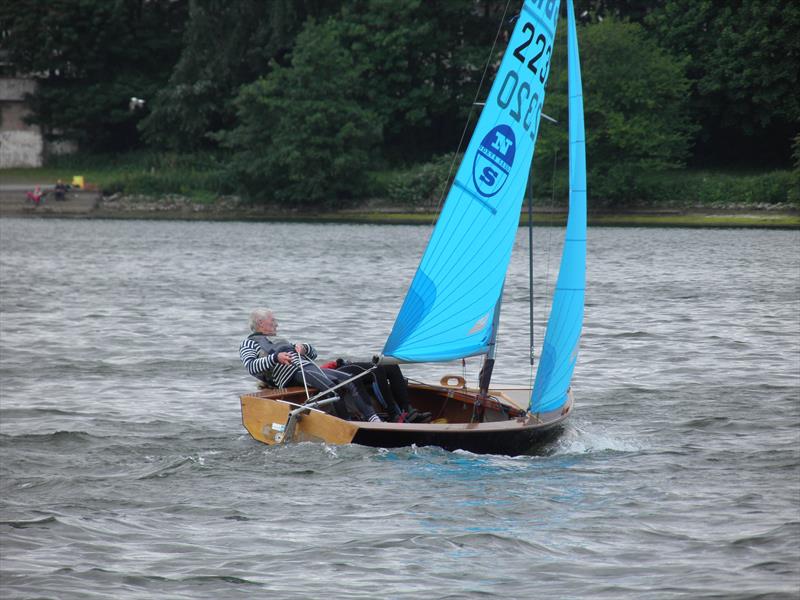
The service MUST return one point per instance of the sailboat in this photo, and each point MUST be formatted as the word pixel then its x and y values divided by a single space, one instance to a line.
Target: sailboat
pixel 452 307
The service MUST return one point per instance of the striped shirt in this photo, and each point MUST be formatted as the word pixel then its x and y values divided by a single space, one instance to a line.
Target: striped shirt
pixel 265 366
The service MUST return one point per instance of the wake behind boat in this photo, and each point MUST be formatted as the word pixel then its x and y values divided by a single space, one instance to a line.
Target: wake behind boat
pixel 452 308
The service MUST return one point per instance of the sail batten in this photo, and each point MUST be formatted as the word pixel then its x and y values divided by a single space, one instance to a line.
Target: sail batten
pixel 449 309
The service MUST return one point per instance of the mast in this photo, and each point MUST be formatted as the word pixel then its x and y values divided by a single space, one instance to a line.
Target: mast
pixel 485 377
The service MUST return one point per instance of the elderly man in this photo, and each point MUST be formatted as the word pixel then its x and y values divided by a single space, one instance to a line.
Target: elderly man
pixel 277 362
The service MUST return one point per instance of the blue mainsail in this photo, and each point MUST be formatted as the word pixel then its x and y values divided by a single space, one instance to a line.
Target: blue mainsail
pixel 448 312
pixel 560 350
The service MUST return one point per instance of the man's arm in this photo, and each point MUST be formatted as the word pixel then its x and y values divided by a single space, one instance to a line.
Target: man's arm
pixel 306 350
pixel 255 365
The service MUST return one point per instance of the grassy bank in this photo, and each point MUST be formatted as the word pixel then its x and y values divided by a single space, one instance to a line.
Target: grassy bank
pixel 200 177
pixel 727 219
pixel 691 198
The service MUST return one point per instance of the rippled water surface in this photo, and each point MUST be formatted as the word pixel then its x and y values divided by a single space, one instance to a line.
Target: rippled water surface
pixel 126 473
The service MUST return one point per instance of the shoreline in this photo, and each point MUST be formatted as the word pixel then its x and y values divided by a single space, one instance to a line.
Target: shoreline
pixel 92 205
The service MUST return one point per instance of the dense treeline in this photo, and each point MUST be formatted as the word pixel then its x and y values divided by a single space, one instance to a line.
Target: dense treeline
pixel 299 101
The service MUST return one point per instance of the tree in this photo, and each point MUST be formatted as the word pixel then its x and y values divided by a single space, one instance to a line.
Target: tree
pixel 90 58
pixel 622 10
pixel 226 45
pixel 634 103
pixel 421 62
pixel 302 138
pixel 744 73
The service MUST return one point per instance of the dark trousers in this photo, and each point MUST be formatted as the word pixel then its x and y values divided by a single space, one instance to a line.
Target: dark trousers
pixel 392 387
pixel 355 405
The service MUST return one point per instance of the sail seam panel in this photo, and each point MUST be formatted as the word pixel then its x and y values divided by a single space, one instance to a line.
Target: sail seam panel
pixel 474 196
pixel 431 257
pixel 451 285
pixel 563 368
pixel 477 249
pixel 456 276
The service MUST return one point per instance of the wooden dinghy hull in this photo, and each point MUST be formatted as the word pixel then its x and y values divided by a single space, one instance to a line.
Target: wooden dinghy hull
pixel 506 428
pixel 510 438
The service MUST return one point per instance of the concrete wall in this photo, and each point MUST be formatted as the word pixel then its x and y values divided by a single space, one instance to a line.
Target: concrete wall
pixel 13 89
pixel 21 149
pixel 22 145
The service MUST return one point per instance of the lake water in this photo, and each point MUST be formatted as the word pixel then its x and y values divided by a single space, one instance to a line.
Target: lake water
pixel 126 472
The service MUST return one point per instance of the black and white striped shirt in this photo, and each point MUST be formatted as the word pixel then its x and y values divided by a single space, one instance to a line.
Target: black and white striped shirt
pixel 266 367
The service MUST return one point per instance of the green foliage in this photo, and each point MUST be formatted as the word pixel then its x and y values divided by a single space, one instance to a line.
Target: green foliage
pixel 303 139
pixel 744 72
pixel 717 189
pixel 308 109
pixel 421 63
pixel 635 111
pixel 794 183
pixel 425 184
pixel 91 57
pixel 199 175
pixel 226 44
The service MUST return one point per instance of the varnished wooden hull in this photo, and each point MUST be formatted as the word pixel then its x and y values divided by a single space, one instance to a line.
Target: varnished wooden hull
pixel 506 428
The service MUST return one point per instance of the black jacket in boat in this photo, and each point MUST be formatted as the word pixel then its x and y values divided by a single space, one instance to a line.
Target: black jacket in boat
pixel 259 354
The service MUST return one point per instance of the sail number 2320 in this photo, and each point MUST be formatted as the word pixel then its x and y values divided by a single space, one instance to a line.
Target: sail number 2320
pixel 525 105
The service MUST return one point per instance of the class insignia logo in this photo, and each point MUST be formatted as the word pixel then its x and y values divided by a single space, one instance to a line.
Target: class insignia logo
pixel 493 160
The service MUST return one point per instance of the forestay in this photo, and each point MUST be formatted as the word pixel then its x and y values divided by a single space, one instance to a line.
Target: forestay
pixel 562 339
pixel 449 308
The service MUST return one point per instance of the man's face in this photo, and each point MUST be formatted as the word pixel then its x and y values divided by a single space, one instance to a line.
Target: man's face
pixel 268 325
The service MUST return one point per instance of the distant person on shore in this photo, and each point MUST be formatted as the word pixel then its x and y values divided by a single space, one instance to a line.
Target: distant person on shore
pixel 277 363
pixel 35 196
pixel 60 191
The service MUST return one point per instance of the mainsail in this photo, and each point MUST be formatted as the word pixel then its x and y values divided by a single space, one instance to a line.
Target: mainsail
pixel 449 310
pixel 562 338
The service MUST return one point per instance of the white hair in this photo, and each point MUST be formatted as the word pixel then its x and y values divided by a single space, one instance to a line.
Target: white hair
pixel 256 315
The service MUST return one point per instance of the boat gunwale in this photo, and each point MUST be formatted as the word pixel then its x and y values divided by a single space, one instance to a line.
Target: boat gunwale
pixel 528 421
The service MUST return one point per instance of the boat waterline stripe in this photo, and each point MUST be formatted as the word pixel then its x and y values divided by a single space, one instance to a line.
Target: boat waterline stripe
pixel 535 16
pixel 474 196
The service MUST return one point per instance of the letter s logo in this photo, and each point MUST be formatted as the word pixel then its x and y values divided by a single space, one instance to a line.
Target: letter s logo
pixel 488 176
pixel 493 160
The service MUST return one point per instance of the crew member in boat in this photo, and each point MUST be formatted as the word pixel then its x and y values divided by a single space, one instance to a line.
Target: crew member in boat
pixel 389 386
pixel 278 363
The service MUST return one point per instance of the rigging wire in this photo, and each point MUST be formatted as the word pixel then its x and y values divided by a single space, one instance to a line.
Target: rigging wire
pixel 530 267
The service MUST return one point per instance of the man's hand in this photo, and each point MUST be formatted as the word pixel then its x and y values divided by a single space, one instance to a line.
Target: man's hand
pixel 284 358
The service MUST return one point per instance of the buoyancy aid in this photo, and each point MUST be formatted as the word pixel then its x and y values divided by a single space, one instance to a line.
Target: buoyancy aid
pixel 269 346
